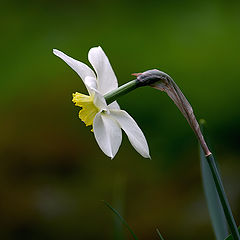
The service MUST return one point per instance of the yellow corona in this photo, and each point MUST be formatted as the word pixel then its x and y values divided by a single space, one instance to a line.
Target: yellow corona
pixel 89 110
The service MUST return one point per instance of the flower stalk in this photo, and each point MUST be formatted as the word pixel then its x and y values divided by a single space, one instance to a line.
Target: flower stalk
pixel 162 81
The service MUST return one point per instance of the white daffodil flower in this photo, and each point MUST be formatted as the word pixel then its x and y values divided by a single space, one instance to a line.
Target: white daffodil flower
pixel 107 120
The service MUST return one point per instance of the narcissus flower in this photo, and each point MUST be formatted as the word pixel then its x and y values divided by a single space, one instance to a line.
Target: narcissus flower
pixel 107 120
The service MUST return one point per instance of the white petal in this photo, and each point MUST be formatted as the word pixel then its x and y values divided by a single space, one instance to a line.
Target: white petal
pixel 90 84
pixel 107 133
pixel 80 68
pixel 134 133
pixel 106 78
pixel 114 106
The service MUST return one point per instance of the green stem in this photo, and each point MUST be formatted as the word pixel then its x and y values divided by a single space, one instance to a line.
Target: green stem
pixel 223 197
pixel 124 89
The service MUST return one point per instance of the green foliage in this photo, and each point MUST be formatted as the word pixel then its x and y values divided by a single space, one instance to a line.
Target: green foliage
pixel 217 216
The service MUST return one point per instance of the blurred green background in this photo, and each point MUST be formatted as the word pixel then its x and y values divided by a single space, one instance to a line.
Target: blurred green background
pixel 53 175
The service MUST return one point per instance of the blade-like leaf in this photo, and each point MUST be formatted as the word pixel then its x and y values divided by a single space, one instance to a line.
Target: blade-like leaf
pixel 121 219
pixel 159 234
pixel 215 209
pixel 230 236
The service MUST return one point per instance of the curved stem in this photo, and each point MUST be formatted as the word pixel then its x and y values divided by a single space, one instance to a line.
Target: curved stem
pixel 162 81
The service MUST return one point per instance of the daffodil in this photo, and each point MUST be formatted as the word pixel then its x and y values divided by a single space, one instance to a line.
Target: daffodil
pixel 106 120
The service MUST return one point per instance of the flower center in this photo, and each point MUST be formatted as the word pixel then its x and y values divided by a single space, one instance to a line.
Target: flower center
pixel 89 110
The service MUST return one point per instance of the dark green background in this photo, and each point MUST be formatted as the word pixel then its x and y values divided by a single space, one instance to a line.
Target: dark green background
pixel 53 175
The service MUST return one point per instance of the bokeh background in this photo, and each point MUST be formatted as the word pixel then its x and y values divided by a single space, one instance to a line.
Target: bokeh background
pixel 53 176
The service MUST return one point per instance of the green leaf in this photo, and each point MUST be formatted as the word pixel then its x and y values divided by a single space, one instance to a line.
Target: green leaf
pixel 121 219
pixel 230 236
pixel 159 234
pixel 215 209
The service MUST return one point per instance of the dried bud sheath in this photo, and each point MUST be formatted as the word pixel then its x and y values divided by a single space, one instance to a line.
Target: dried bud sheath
pixel 165 83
